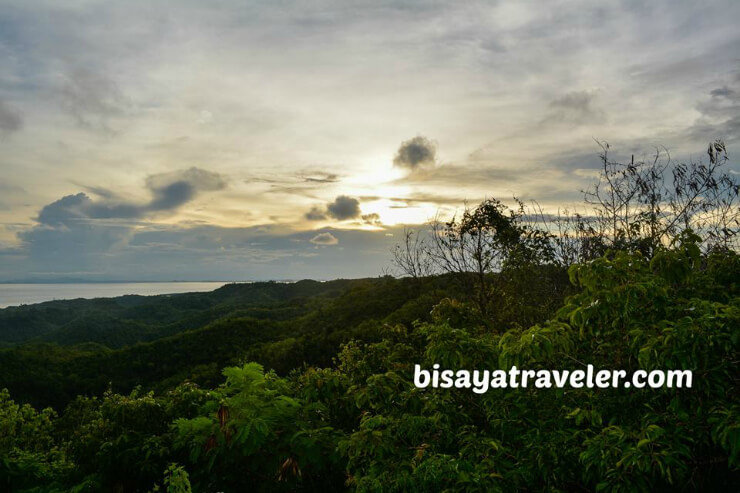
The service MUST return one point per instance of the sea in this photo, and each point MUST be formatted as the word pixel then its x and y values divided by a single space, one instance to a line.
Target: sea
pixel 26 294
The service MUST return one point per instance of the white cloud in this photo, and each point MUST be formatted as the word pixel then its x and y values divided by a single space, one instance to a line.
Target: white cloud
pixel 324 239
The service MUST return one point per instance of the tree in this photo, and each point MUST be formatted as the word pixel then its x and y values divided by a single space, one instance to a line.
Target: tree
pixel 643 205
pixel 411 257
pixel 483 242
pixel 477 244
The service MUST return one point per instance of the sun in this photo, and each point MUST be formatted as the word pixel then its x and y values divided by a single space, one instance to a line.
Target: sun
pixel 382 191
pixel 397 212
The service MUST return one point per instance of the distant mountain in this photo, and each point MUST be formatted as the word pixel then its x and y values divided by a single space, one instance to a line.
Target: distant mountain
pixel 58 349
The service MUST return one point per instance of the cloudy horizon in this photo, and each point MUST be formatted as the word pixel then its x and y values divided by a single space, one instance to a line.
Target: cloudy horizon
pixel 288 140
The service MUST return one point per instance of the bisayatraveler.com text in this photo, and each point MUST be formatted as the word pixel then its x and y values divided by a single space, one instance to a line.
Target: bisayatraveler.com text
pixel 481 381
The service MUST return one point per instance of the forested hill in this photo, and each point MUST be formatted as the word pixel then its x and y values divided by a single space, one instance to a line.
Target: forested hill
pixel 123 320
pixel 59 349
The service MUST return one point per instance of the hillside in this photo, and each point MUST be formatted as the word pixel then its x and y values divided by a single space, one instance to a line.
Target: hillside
pixel 59 349
pixel 125 320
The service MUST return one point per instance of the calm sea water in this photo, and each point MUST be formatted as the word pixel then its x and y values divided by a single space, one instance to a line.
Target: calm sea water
pixel 25 294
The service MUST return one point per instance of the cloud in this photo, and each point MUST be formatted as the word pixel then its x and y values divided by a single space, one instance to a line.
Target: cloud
pixel 319 177
pixel 171 196
pixel 344 207
pixel 415 153
pixel 200 179
pixel 10 119
pixel 72 241
pixel 315 214
pixel 372 219
pixel 723 92
pixel 303 183
pixel 92 99
pixel 576 108
pixel 324 239
pixel 169 192
pixel 720 114
pixel 80 233
pixel 70 207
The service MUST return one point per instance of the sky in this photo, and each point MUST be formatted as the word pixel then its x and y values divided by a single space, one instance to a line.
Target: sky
pixel 239 140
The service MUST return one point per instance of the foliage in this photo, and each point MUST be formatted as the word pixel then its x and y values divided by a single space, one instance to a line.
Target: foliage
pixel 643 205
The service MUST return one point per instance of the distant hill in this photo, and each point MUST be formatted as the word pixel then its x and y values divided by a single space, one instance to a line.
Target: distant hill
pixel 56 350
pixel 125 320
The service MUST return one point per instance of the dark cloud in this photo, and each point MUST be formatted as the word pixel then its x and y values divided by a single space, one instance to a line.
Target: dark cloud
pixel 343 207
pixel 723 92
pixel 576 108
pixel 172 196
pixel 10 119
pixel 70 207
pixel 372 219
pixel 169 191
pixel 92 99
pixel 324 239
pixel 415 153
pixel 71 237
pixel 319 177
pixel 720 114
pixel 80 233
pixel 315 214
